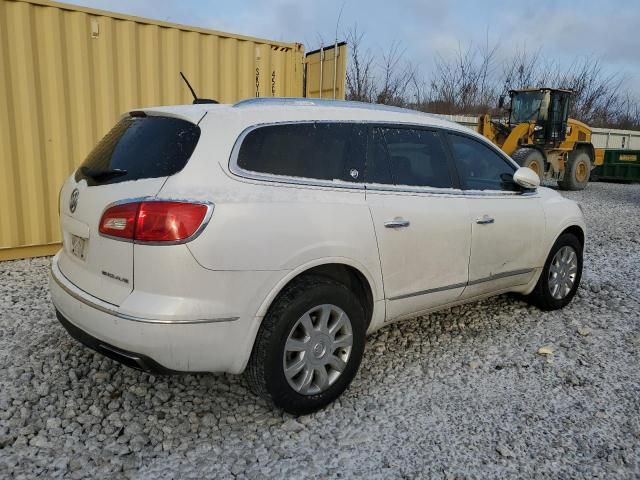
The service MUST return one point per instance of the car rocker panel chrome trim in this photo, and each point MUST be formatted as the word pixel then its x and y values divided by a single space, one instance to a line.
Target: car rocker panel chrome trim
pixel 465 284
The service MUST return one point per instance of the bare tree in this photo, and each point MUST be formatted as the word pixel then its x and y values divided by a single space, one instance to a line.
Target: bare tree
pixel 487 92
pixel 629 114
pixel 464 82
pixel 597 95
pixel 360 81
pixel 521 70
pixel 421 94
pixel 470 82
pixel 397 77
pixel 597 98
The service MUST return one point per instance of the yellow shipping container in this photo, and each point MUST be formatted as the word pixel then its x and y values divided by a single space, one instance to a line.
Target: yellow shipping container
pixel 67 73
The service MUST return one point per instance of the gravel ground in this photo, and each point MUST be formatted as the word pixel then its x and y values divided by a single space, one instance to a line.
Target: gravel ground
pixel 459 394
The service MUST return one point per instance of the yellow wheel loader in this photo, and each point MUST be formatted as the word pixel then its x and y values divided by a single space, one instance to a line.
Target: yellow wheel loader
pixel 538 134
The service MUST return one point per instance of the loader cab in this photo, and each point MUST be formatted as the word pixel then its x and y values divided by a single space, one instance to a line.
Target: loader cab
pixel 548 108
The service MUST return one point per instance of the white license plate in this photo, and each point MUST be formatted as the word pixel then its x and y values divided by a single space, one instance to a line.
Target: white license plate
pixel 78 246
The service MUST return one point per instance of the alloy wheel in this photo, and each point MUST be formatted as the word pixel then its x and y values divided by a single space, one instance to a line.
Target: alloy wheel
pixel 317 349
pixel 582 172
pixel 562 272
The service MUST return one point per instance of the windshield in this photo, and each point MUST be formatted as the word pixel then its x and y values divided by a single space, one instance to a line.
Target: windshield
pixel 525 106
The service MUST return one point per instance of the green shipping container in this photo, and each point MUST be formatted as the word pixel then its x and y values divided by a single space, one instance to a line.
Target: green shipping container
pixel 619 165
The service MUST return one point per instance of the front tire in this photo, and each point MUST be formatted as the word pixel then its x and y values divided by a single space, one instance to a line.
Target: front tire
pixel 561 275
pixel 309 346
pixel 531 158
pixel 577 171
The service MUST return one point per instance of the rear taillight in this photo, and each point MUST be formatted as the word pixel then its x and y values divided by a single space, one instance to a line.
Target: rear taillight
pixel 168 221
pixel 157 221
pixel 120 220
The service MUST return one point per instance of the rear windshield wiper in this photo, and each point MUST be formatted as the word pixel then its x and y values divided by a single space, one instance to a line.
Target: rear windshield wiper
pixel 102 174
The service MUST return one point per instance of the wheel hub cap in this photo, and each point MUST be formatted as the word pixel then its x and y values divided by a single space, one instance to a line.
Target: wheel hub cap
pixel 317 349
pixel 581 172
pixel 562 272
pixel 535 167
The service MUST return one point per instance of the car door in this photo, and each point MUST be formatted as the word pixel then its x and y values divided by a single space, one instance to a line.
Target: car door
pixel 507 223
pixel 420 218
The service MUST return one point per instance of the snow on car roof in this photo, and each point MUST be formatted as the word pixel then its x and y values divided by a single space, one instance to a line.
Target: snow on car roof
pixel 276 109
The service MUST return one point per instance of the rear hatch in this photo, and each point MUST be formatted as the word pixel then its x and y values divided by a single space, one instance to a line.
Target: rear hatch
pixel 132 161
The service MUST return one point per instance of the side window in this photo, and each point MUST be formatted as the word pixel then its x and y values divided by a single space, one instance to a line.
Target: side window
pixel 378 169
pixel 479 167
pixel 323 151
pixel 415 157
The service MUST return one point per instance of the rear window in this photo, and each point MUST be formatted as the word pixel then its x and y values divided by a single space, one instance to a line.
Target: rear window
pixel 140 147
pixel 323 151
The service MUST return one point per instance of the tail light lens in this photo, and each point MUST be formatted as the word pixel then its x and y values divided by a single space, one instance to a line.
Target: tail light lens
pixel 168 221
pixel 161 221
pixel 120 220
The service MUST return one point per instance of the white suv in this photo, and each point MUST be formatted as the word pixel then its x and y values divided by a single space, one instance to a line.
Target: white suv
pixel 272 235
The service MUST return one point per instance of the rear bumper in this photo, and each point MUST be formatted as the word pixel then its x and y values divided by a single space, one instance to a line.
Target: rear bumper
pixel 130 359
pixel 220 343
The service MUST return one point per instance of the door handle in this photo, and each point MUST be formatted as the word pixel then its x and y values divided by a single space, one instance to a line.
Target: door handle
pixel 484 220
pixel 397 223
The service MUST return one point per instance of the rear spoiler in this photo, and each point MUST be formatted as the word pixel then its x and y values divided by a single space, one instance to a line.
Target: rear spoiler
pixel 190 114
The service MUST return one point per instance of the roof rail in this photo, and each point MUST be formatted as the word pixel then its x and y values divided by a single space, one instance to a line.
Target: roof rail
pixel 318 102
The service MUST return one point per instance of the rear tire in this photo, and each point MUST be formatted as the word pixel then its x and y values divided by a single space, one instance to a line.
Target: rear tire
pixel 546 295
pixel 577 171
pixel 283 342
pixel 531 158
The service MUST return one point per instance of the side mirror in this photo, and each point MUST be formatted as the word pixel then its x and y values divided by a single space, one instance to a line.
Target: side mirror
pixel 501 101
pixel 526 178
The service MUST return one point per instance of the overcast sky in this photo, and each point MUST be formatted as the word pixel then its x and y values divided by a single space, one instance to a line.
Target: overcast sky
pixel 564 30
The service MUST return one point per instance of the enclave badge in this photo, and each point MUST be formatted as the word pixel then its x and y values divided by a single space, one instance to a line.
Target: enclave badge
pixel 73 201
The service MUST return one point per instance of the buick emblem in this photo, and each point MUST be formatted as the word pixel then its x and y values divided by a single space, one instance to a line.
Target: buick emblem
pixel 73 201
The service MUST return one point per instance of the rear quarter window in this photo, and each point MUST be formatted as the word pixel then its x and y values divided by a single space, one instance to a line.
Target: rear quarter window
pixel 140 147
pixel 322 151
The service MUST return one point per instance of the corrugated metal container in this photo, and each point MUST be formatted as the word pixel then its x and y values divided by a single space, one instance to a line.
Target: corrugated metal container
pixel 67 73
pixel 326 72
pixel 619 165
pixel 614 138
